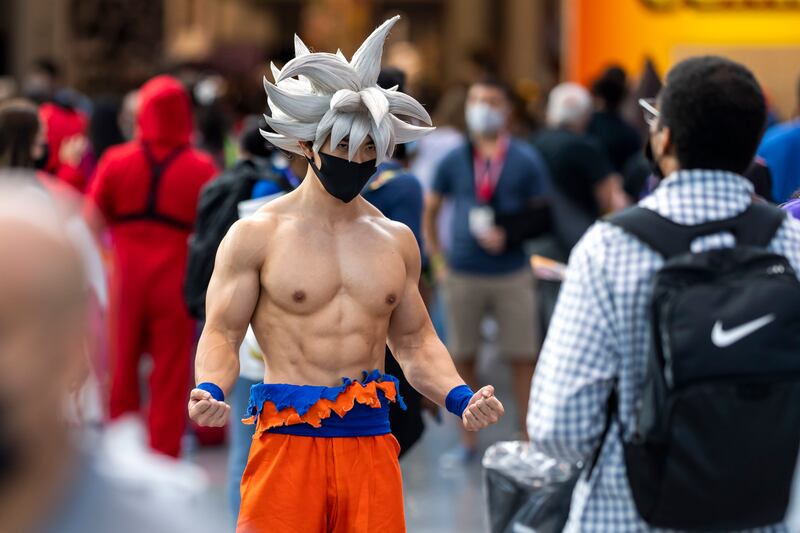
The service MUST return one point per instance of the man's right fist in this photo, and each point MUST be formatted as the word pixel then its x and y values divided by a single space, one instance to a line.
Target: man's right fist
pixel 206 411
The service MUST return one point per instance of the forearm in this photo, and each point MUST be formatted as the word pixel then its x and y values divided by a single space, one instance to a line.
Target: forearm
pixel 528 224
pixel 429 368
pixel 217 359
pixel 436 261
pixel 431 236
pixel 429 229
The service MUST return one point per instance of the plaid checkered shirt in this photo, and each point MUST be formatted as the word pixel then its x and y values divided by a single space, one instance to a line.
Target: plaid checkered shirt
pixel 600 334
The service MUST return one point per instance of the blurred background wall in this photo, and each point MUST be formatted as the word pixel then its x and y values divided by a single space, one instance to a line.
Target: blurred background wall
pixel 113 45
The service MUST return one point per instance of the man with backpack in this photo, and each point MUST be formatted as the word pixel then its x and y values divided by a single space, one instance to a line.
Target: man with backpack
pixel 670 366
pixel 147 191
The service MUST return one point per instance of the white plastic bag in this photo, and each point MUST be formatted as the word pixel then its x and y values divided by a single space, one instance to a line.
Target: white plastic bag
pixel 526 492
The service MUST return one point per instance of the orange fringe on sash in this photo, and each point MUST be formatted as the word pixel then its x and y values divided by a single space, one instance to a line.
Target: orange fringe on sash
pixel 270 417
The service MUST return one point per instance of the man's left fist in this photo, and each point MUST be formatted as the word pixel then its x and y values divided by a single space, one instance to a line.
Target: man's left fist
pixel 484 409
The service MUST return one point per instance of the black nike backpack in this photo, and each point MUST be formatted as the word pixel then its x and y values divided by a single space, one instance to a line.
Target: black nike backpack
pixel 716 433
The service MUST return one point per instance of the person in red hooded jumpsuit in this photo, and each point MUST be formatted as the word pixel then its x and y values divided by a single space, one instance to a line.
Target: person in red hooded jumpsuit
pixel 147 190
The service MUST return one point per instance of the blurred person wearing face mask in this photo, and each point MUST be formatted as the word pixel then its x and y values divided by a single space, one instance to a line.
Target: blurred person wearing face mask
pixel 326 282
pixel 496 186
pixel 49 481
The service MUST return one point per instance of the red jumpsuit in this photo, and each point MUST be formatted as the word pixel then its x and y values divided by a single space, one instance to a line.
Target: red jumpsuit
pixel 150 218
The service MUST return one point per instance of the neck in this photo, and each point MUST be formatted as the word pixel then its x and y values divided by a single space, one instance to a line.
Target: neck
pixel 315 199
pixel 487 144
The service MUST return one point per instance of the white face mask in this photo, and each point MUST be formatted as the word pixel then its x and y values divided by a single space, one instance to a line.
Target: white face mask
pixel 483 119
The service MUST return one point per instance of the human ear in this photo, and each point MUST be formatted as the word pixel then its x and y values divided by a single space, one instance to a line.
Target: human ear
pixel 664 141
pixel 308 152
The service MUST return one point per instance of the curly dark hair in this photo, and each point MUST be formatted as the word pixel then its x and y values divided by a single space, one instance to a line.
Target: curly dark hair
pixel 715 111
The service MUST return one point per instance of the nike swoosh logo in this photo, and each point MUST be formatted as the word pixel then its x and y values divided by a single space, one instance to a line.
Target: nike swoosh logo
pixel 722 338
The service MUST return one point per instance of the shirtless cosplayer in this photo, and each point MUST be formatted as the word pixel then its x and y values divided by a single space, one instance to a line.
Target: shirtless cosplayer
pixel 326 281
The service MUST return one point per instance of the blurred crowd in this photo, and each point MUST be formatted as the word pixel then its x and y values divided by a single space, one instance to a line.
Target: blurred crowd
pixel 130 195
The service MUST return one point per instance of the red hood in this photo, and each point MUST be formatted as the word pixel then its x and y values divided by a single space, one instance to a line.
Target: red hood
pixel 165 112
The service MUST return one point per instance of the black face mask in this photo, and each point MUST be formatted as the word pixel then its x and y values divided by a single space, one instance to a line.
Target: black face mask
pixel 41 162
pixel 342 179
pixel 651 158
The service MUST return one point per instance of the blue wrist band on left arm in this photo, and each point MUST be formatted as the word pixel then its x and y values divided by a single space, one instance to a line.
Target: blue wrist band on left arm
pixel 213 389
pixel 458 399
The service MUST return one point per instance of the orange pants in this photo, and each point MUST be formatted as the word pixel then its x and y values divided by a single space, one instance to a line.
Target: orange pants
pixel 300 484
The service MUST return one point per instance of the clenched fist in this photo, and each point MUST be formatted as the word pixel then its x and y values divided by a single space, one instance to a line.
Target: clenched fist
pixel 483 410
pixel 206 411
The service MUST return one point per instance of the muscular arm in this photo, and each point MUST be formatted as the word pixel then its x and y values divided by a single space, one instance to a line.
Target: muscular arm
pixel 421 354
pixel 230 302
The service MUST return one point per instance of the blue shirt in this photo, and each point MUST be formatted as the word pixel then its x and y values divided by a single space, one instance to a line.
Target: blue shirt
pixel 781 150
pixel 397 195
pixel 521 180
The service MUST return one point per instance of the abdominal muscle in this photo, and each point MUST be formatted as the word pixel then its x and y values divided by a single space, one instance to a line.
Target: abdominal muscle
pixel 320 348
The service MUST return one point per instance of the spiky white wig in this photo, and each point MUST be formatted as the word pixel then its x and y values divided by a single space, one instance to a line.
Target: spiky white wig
pixel 334 98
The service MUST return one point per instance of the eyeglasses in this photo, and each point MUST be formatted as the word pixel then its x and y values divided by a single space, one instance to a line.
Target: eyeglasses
pixel 651 114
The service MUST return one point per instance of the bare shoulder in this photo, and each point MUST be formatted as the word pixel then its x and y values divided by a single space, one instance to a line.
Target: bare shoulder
pixel 403 237
pixel 397 230
pixel 247 240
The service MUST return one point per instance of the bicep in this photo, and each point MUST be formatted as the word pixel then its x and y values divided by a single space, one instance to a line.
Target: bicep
pixel 234 287
pixel 409 321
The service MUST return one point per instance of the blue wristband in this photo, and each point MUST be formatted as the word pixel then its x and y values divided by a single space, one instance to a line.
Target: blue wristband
pixel 212 389
pixel 458 399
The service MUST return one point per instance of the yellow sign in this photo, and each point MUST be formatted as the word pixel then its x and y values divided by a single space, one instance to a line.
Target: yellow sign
pixel 627 32
pixel 722 4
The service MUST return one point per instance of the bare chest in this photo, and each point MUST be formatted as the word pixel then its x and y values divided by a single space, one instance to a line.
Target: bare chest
pixel 307 270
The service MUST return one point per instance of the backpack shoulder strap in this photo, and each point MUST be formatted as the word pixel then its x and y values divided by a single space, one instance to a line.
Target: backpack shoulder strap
pixel 755 226
pixel 759 224
pixel 657 232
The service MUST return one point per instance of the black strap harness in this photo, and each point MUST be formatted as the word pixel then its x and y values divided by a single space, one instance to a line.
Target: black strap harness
pixel 150 211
